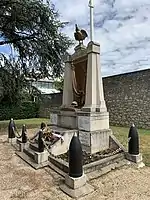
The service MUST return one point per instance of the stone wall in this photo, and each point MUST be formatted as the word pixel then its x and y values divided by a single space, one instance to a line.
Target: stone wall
pixel 128 98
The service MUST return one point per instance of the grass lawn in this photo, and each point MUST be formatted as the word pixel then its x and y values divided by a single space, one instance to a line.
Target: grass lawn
pixel 30 123
pixel 121 134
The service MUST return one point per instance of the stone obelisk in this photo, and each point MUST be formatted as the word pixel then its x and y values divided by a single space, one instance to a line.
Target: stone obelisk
pixel 94 100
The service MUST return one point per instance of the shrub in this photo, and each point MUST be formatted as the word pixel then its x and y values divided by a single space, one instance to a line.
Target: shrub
pixel 25 110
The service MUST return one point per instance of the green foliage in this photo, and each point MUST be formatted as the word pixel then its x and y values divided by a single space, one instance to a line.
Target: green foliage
pixel 25 110
pixel 33 28
pixel 12 82
pixel 59 84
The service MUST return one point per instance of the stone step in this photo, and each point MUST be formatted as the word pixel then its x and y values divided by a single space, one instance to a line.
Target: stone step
pixel 56 169
pixel 99 164
pixel 34 146
pixel 31 162
pixel 104 170
pixel 29 152
pixel 91 167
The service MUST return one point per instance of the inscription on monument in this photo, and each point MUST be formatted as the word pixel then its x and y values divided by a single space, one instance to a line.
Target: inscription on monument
pixel 84 123
pixel 85 138
pixel 53 119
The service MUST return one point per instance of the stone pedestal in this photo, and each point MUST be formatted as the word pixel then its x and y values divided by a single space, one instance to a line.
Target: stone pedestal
pixel 93 121
pixel 67 119
pixel 76 187
pixel 41 157
pixel 94 131
pixel 93 127
pixel 23 146
pixel 86 121
pixel 94 141
pixel 137 159
pixel 12 140
pixel 64 119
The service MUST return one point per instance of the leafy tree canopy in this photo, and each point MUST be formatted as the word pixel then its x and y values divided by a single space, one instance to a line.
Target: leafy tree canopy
pixel 33 29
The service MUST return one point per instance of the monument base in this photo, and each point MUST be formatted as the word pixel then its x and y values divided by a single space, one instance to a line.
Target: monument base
pixel 136 159
pixel 64 119
pixel 94 131
pixel 94 141
pixel 12 140
pixel 76 187
pixel 92 127
pixel 41 157
pixel 93 121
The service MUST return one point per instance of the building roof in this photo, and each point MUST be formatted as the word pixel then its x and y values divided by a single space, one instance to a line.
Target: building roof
pixel 40 80
pixel 46 80
pixel 48 91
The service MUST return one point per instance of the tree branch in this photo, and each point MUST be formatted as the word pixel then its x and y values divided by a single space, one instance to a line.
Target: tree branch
pixel 16 40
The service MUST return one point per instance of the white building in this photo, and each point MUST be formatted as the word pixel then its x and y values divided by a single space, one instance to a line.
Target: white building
pixel 46 86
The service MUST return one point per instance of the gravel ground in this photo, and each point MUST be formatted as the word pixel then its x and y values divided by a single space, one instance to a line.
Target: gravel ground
pixel 18 181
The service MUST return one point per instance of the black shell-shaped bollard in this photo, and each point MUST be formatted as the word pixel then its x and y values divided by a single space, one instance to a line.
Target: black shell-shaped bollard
pixel 75 158
pixel 11 129
pixel 133 138
pixel 40 141
pixel 24 134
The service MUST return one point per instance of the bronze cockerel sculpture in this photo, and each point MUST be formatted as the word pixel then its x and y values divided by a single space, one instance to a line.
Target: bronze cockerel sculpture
pixel 80 35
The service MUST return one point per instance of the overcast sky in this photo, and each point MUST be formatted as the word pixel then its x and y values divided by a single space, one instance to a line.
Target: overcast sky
pixel 122 27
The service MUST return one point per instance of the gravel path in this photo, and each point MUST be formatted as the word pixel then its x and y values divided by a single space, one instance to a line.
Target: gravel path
pixel 19 181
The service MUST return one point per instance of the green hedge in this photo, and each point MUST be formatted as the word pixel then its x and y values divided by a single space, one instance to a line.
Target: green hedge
pixel 25 110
